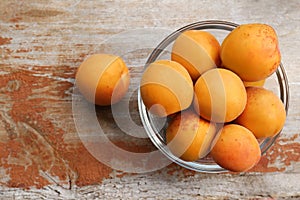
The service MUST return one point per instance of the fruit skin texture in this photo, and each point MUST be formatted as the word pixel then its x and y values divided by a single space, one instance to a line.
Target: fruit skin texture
pixel 236 148
pixel 189 137
pixel 103 79
pixel 220 95
pixel 251 51
pixel 166 88
pixel 264 114
pixel 198 51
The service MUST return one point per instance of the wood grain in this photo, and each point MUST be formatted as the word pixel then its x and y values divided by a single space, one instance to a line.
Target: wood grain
pixel 41 45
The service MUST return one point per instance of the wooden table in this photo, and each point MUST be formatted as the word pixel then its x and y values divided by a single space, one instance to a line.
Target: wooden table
pixel 42 43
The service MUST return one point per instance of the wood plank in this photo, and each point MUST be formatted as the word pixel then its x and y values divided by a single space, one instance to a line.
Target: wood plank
pixel 41 45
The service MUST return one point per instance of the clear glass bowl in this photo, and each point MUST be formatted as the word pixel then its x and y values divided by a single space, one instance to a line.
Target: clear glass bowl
pixel 155 126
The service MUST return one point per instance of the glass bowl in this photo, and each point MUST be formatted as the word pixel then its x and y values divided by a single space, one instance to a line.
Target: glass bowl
pixel 155 126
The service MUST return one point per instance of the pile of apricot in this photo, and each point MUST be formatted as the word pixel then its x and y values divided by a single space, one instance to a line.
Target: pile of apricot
pixel 215 97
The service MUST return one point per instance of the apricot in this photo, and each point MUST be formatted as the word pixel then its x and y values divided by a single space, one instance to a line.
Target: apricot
pixel 220 95
pixel 189 137
pixel 264 114
pixel 260 83
pixel 198 51
pixel 166 88
pixel 103 79
pixel 236 148
pixel 251 51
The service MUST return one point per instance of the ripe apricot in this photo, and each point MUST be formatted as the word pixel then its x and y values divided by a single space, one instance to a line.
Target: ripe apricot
pixel 220 95
pixel 251 51
pixel 103 79
pixel 189 137
pixel 236 148
pixel 166 88
pixel 255 83
pixel 196 50
pixel 264 114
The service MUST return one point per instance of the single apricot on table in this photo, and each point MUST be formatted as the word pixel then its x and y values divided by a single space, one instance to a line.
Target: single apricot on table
pixel 103 79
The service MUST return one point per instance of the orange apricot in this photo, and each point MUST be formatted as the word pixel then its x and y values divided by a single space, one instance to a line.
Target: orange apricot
pixel 236 148
pixel 189 137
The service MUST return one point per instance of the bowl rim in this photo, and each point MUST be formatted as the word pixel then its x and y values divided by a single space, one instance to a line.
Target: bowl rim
pixel 196 166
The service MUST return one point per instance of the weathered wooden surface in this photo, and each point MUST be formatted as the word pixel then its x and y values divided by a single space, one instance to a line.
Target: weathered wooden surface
pixel 43 42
